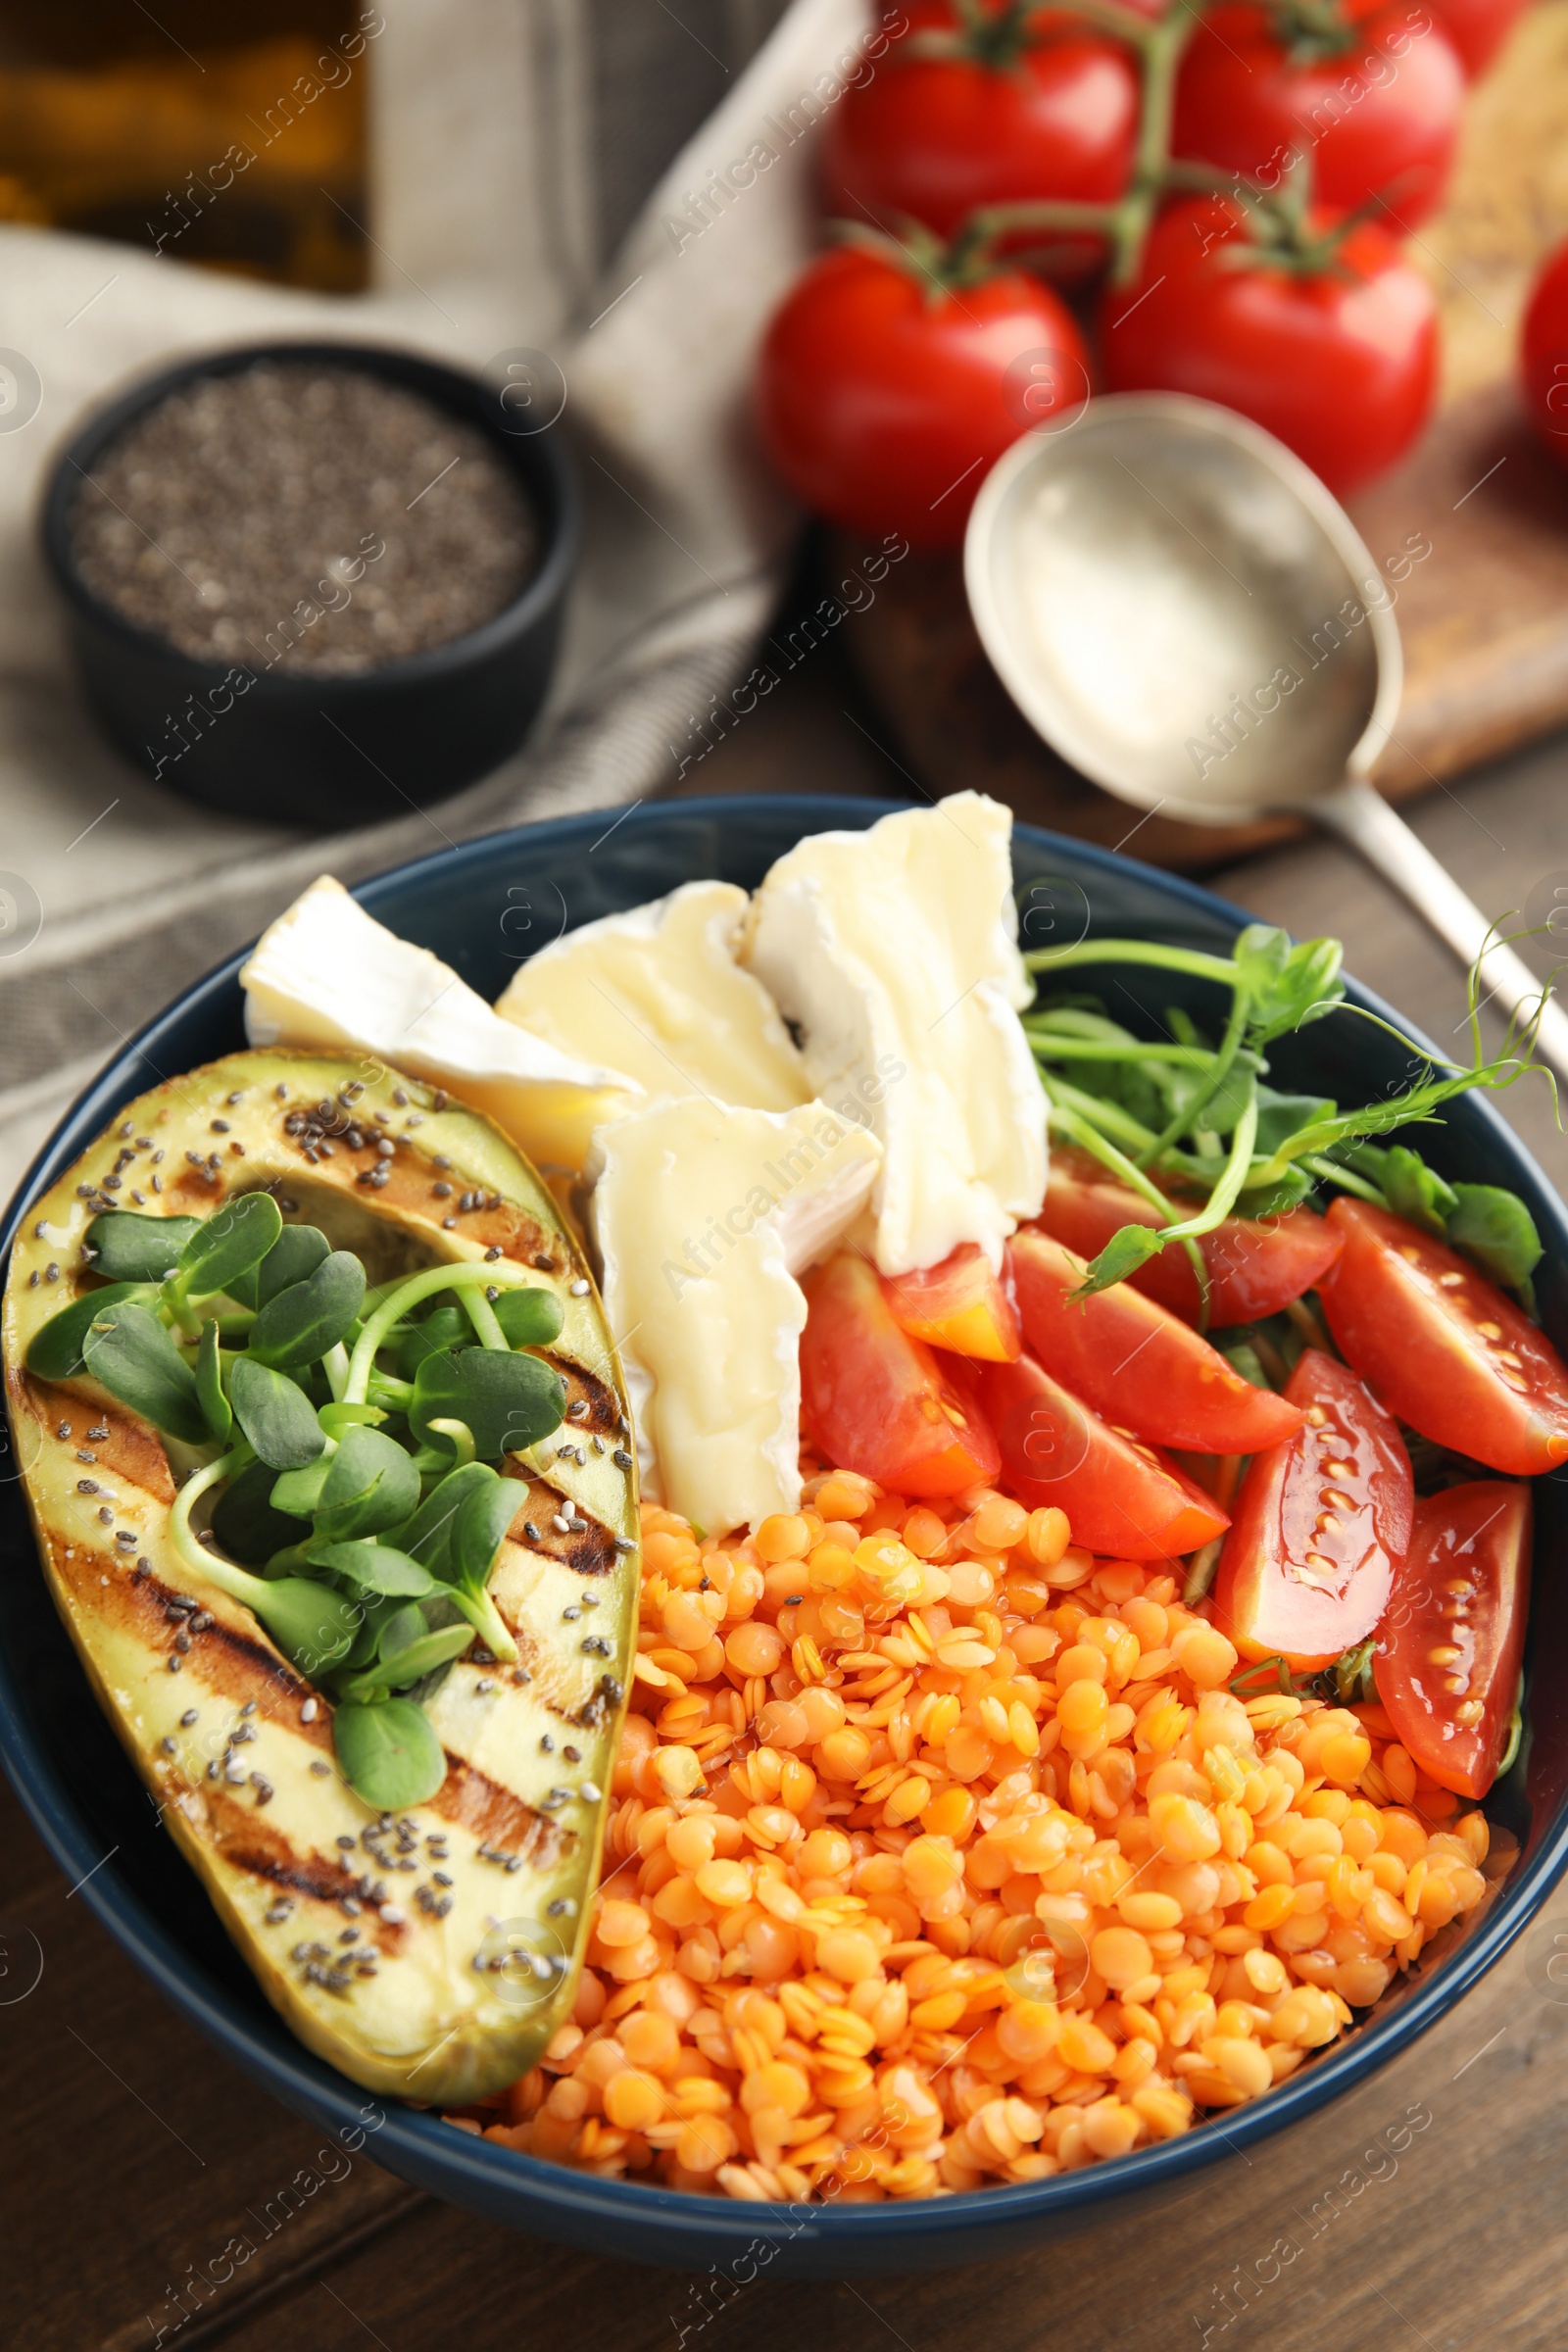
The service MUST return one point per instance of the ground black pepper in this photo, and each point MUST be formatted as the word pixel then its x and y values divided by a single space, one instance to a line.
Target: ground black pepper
pixel 304 517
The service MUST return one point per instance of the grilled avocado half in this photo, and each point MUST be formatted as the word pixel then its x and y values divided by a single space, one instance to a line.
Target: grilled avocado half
pixel 432 1952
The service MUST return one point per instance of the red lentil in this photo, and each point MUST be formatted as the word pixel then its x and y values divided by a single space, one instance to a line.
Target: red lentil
pixel 940 1855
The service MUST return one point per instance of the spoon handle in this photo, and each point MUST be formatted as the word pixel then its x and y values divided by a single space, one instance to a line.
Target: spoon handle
pixel 1361 815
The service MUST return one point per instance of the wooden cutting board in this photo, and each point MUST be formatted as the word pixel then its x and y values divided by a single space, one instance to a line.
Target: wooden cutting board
pixel 1482 614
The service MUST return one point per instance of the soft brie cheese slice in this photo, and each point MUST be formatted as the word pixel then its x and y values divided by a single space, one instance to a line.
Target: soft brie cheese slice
pixel 704 1216
pixel 327 974
pixel 657 993
pixel 894 953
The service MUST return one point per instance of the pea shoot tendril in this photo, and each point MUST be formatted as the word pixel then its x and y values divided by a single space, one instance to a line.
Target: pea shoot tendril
pixel 1197 1132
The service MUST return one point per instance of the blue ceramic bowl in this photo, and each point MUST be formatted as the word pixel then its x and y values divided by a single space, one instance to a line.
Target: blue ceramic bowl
pixel 483 908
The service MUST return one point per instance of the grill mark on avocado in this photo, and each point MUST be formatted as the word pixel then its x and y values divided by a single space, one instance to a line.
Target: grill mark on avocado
pixel 498 1818
pixel 294 1873
pixel 602 1417
pixel 241 1667
pixel 242 1841
pixel 589 1548
pixel 229 1663
pixel 191 1192
pixel 269 1856
pixel 406 1183
pixel 132 1451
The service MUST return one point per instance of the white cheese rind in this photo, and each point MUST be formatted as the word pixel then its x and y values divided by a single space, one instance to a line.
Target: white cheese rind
pixel 894 952
pixel 657 993
pixel 703 1215
pixel 327 974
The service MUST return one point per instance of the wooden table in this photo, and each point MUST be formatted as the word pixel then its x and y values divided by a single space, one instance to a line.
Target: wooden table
pixel 131 2153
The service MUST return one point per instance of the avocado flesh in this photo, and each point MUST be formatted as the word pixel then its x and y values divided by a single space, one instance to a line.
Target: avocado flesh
pixel 473 1968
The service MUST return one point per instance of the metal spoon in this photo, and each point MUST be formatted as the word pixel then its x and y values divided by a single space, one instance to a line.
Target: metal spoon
pixel 1179 606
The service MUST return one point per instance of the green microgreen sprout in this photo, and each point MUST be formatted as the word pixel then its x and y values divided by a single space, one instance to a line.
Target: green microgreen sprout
pixel 1352 1676
pixel 356 1505
pixel 1262 1679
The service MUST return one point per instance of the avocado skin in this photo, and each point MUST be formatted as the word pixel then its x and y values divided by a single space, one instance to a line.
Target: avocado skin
pixel 444 1980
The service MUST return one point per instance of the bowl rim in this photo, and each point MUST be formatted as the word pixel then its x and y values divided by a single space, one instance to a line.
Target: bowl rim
pixel 554 494
pixel 418 2143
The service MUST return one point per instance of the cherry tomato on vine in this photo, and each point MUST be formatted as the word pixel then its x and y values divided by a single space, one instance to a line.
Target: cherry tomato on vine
pixel 884 399
pixel 1136 1362
pixel 1029 105
pixel 1377 118
pixel 1448 1653
pixel 1478 29
pixel 1321 1524
pixel 1124 1499
pixel 879 1403
pixel 1442 1347
pixel 1544 354
pixel 1255 1264
pixel 1340 362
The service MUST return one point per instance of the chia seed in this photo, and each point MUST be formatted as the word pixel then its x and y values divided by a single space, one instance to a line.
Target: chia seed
pixel 241 504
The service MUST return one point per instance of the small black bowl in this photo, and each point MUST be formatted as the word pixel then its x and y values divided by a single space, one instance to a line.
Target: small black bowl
pixel 336 749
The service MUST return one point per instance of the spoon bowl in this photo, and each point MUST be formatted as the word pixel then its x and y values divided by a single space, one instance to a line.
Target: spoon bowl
pixel 1186 613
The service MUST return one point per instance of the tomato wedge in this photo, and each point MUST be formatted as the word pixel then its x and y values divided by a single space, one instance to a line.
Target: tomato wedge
pixel 877 1402
pixel 963 1305
pixel 1124 1501
pixel 1442 1347
pixel 1127 1356
pixel 1447 1659
pixel 1321 1524
pixel 1255 1264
